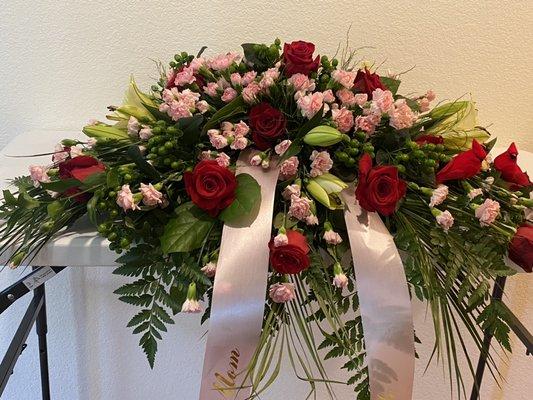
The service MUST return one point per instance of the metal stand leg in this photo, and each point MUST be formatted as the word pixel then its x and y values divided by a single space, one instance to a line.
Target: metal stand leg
pixel 41 328
pixel 497 294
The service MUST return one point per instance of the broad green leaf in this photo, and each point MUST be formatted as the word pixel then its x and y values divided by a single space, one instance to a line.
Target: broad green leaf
pixel 94 180
pixel 191 128
pixel 105 132
pixel 391 83
pixel 60 186
pixel 26 201
pixel 9 199
pixel 247 197
pixel 187 231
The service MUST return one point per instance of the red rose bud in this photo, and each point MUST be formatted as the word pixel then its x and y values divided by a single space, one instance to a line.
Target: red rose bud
pixel 210 186
pixel 268 124
pixel 521 247
pixel 379 188
pixel 506 164
pixel 464 165
pixel 433 139
pixel 79 168
pixel 367 82
pixel 298 58
pixel 291 258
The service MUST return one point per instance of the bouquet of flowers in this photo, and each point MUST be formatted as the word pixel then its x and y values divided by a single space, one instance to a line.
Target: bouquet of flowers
pixel 312 146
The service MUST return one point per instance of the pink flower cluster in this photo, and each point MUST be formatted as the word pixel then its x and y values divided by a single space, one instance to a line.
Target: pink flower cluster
pixel 487 212
pixel 221 62
pixel 221 158
pixel 321 163
pixel 182 104
pixel 230 134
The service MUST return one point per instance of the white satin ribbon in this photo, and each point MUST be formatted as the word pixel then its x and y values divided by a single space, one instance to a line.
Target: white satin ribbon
pixel 385 304
pixel 239 294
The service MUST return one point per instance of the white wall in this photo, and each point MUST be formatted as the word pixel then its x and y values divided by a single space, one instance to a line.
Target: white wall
pixel 63 62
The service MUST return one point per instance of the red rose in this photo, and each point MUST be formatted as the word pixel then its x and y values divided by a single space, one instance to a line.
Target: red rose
pixel 291 258
pixel 506 164
pixel 298 58
pixel 379 188
pixel 425 139
pixel 367 82
pixel 267 124
pixel 521 247
pixel 211 187
pixel 464 165
pixel 79 168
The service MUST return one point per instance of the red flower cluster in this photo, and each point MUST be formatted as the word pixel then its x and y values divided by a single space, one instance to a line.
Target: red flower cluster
pixel 267 124
pixel 521 247
pixel 211 186
pixel 464 165
pixel 506 164
pixel 367 82
pixel 291 258
pixel 379 188
pixel 298 58
pixel 79 168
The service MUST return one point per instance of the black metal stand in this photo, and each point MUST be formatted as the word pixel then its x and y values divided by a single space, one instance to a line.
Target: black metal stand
pixel 41 328
pixel 516 326
pixel 35 313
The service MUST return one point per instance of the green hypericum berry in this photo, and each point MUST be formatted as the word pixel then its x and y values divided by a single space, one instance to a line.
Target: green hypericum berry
pixel 342 156
pixel 113 213
pixel 169 145
pixel 439 147
pixel 175 165
pixel 172 64
pixel 429 146
pixel 353 152
pixel 101 205
pixel 172 130
pixel 360 136
pixel 167 161
pixel 351 162
pixel 430 162
pixel 419 154
pixel 124 243
pixel 112 194
pixel 161 123
pixel 112 236
pixel 127 178
pixel 335 62
pixel 102 228
pixel 401 168
pixel 277 42
pixel 411 145
pixel 156 130
pixel 155 88
pixel 162 151
pixel 403 157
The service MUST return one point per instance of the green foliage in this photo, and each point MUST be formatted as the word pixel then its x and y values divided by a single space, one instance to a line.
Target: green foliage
pixel 187 231
pixel 247 198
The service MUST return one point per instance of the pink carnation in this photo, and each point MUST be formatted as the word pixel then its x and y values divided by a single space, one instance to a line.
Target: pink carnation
pixel 329 97
pixel 300 207
pixel 423 104
pixel 151 196
pixel 125 199
pixel 367 123
pixel 241 129
pixel 202 106
pixel 343 119
pixel 346 97
pixel 445 219
pixel 228 95
pixel 281 292
pixel 60 154
pixel 438 195
pixel 239 143
pixel 248 78
pixel 310 104
pixel 321 163
pixel 197 63
pixel 291 190
pixel 311 220
pixel 360 99
pixel 332 237
pixel 281 240
pixel 217 140
pixel 401 115
pixel 184 77
pixel 383 99
pixel 288 168
pixel 250 92
pixel 38 174
pixel 345 78
pixel 488 212
pixel 301 82
pixel 223 61
pixel 282 147
pixel 235 79
pixel 145 133
pixel 223 159
pixel 211 89
pixel 340 281
pixel 256 160
pixel 430 95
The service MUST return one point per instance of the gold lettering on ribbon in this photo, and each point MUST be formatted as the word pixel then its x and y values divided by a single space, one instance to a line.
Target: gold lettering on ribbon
pixel 225 382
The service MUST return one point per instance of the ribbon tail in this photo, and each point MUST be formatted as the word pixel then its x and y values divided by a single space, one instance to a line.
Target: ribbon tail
pixel 239 295
pixel 385 304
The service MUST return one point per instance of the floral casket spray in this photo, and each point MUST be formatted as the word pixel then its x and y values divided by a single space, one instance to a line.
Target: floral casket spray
pixel 275 191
